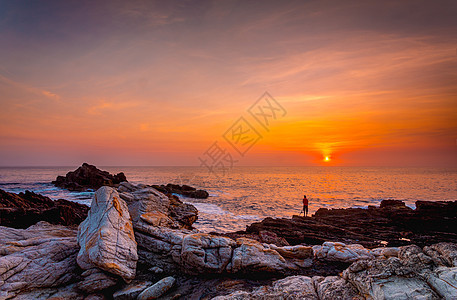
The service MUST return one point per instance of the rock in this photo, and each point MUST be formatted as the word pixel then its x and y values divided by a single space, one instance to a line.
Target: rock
pixel 392 204
pixel 269 237
pixel 392 223
pixel 298 251
pixel 387 279
pixel 41 256
pixel 106 237
pixel 443 280
pixel 335 287
pixel 202 253
pixel 334 251
pixel 157 289
pixel 394 278
pixel 131 291
pixel 184 190
pixel 96 280
pixel 443 254
pixel 25 209
pixel 57 293
pixel 151 206
pixel 385 252
pixel 159 247
pixel 251 256
pixel 292 287
pixel 88 177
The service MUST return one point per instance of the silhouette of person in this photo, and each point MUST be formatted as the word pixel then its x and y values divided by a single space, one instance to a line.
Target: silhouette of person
pixel 305 206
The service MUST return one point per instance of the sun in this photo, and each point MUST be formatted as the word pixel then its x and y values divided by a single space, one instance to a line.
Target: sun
pixel 327 158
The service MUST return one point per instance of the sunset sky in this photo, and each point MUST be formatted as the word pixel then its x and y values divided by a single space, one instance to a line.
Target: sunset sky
pixel 152 83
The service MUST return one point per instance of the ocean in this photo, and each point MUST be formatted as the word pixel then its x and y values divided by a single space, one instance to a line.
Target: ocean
pixel 249 194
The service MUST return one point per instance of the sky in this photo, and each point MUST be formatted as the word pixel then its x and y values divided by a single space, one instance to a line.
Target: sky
pixel 150 83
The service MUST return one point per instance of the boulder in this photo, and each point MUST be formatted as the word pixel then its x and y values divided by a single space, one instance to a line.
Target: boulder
pixel 95 280
pixel 88 177
pixel 251 256
pixel 25 209
pixel 292 287
pixel 106 237
pixel 202 253
pixel 151 206
pixel 387 279
pixel 385 252
pixel 41 256
pixel 157 289
pixel 131 291
pixel 444 254
pixel 334 251
pixel 335 287
pixel 443 280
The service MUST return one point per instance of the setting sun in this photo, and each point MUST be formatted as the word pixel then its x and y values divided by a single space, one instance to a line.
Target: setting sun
pixel 327 158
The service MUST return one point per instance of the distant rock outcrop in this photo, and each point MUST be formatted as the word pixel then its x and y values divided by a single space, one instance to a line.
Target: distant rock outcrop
pixel 392 222
pixel 25 209
pixel 88 177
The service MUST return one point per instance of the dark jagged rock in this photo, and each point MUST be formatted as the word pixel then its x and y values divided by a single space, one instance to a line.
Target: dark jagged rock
pixel 392 222
pixel 185 214
pixel 88 177
pixel 25 209
pixel 184 190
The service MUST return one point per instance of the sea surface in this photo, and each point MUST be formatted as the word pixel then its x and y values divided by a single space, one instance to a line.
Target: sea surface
pixel 249 194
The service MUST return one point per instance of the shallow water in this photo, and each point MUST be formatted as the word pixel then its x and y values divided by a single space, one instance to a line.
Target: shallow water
pixel 248 194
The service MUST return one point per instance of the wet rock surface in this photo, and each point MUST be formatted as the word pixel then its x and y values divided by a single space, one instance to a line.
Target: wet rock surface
pixel 88 177
pixel 391 222
pixel 25 209
pixel 183 190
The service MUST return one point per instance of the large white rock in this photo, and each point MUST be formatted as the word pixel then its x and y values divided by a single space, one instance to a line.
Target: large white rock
pixel 335 251
pixel 106 236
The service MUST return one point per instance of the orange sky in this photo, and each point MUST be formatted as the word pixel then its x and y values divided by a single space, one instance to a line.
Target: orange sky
pixel 156 83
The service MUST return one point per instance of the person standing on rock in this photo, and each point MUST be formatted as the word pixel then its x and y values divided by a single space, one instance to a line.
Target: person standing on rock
pixel 305 206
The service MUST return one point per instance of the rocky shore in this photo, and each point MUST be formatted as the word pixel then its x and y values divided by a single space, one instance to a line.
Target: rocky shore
pixel 391 224
pixel 25 209
pixel 138 243
pixel 88 177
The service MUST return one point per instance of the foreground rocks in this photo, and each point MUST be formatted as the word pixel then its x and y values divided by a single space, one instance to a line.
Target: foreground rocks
pixel 135 245
pixel 41 256
pixel 392 223
pixel 25 209
pixel 88 177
